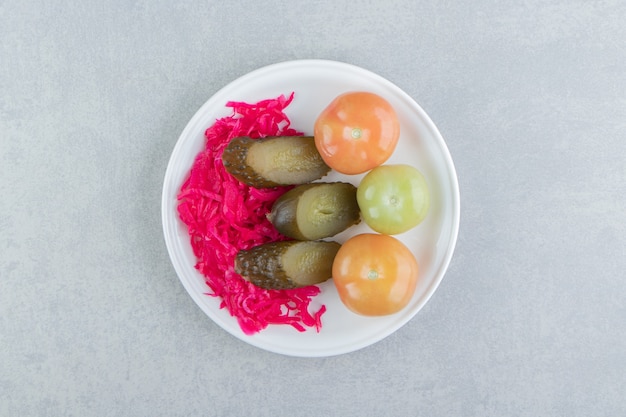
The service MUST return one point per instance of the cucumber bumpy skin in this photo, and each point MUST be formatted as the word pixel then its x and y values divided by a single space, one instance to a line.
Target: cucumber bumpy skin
pixel 287 264
pixel 316 211
pixel 274 161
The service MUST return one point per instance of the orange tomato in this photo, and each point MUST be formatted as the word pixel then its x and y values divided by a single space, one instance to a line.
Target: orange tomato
pixel 356 132
pixel 375 275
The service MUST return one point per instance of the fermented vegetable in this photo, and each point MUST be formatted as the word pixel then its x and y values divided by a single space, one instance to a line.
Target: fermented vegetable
pixel 287 264
pixel 375 274
pixel 393 198
pixel 274 161
pixel 223 216
pixel 316 211
pixel 356 132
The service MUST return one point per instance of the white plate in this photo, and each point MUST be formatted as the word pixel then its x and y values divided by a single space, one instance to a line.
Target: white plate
pixel 316 83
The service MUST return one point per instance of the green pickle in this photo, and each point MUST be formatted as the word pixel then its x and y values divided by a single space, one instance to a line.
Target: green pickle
pixel 316 211
pixel 287 264
pixel 274 161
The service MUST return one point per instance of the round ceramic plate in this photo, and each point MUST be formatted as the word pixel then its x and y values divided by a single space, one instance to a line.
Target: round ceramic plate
pixel 316 83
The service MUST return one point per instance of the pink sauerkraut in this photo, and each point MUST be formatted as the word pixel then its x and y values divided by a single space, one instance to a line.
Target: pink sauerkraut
pixel 224 216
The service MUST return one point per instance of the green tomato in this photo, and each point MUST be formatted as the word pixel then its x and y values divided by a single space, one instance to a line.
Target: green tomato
pixel 393 198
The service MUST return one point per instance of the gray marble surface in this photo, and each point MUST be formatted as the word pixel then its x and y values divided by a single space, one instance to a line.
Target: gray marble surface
pixel 530 319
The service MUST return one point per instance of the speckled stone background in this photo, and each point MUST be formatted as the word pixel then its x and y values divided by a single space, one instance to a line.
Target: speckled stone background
pixel 530 96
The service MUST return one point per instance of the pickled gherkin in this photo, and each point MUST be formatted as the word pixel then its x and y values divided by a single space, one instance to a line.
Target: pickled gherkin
pixel 287 264
pixel 316 211
pixel 274 161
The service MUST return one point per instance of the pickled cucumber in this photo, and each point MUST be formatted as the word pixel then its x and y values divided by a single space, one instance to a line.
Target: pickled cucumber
pixel 316 211
pixel 274 161
pixel 287 264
